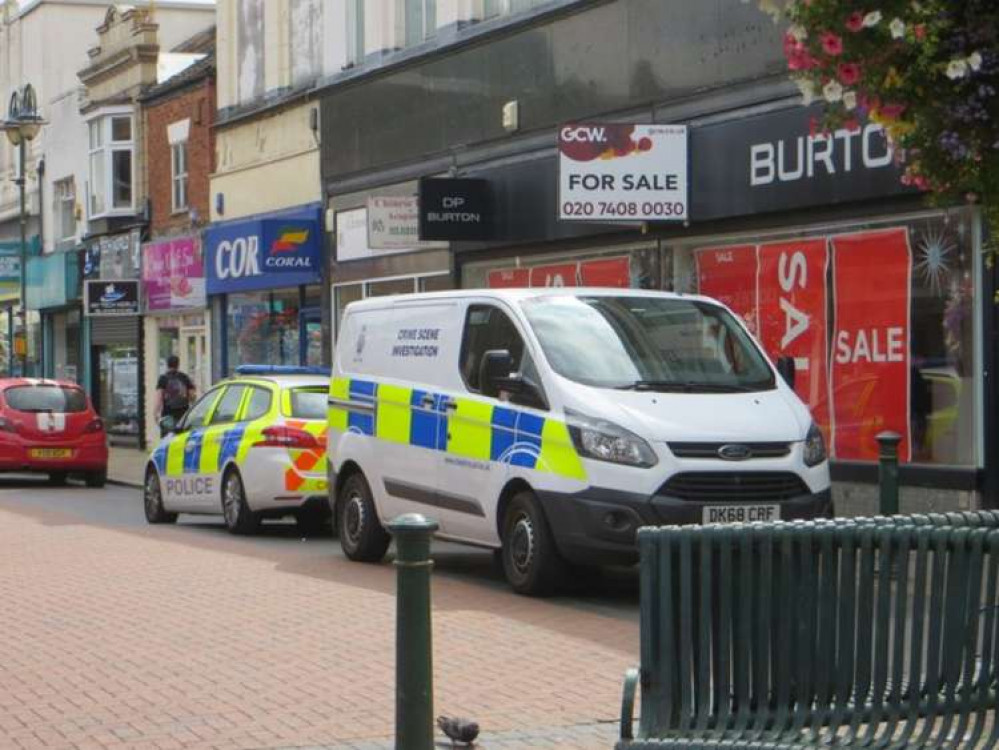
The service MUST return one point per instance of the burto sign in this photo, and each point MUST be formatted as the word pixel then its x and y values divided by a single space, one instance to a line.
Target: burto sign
pixel 614 172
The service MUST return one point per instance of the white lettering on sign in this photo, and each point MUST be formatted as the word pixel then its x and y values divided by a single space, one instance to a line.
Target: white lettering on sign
pixel 874 345
pixel 238 258
pixel 584 134
pixel 809 156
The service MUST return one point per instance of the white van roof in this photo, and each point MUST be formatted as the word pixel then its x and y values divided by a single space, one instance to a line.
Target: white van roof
pixel 519 294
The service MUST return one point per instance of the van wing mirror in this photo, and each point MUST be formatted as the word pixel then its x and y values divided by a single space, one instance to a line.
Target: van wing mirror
pixel 785 366
pixel 496 365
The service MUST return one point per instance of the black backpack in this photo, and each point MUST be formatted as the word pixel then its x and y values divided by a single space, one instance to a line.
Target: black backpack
pixel 175 392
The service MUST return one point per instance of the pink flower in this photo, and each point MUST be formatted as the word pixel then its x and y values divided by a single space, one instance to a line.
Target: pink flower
pixel 855 21
pixel 831 43
pixel 849 73
pixel 920 31
pixel 798 57
pixel 921 182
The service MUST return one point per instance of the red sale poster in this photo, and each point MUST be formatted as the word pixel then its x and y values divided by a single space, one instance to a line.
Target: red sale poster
pixel 509 277
pixel 562 274
pixel 729 275
pixel 870 347
pixel 793 318
pixel 612 272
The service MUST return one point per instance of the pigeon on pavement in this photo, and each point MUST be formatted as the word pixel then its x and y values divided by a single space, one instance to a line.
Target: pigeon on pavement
pixel 459 730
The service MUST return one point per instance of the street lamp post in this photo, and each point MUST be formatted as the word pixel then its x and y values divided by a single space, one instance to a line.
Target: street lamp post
pixel 22 125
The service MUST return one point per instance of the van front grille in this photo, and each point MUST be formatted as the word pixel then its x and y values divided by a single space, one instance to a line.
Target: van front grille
pixel 735 486
pixel 710 450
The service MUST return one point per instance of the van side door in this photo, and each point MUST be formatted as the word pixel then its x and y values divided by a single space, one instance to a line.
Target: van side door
pixel 487 431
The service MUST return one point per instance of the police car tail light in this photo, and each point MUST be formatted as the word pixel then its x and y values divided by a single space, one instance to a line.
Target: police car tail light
pixel 94 425
pixel 287 437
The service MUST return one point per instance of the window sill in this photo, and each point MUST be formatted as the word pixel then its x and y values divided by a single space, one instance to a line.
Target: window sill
pixel 114 213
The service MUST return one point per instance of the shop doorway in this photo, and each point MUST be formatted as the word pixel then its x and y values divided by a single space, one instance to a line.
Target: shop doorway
pixel 117 391
pixel 194 356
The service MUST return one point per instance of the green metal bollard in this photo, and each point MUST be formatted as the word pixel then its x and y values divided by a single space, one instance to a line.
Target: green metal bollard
pixel 888 471
pixel 414 693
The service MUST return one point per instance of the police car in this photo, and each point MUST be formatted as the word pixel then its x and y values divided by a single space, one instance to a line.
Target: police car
pixel 252 447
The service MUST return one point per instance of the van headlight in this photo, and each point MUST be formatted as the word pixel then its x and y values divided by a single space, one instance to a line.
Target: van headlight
pixel 815 446
pixel 605 441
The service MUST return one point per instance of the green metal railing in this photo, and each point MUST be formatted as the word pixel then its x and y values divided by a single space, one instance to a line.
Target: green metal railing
pixel 872 633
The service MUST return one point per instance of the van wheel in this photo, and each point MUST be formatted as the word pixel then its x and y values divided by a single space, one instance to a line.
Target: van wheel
pixel 239 519
pixel 362 536
pixel 152 500
pixel 531 561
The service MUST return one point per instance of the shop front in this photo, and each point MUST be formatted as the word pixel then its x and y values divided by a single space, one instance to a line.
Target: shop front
pixel 10 293
pixel 54 340
pixel 377 251
pixel 263 280
pixel 812 239
pixel 175 322
pixel 111 306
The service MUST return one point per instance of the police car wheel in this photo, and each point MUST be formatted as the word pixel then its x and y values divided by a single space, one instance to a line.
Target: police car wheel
pixel 152 500
pixel 362 536
pixel 239 519
pixel 531 562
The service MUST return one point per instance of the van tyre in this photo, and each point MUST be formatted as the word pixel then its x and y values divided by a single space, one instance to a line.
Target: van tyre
pixel 96 478
pixel 239 519
pixel 152 500
pixel 531 561
pixel 362 536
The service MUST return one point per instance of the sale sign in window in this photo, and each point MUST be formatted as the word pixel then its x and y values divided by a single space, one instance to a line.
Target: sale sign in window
pixel 870 375
pixel 792 316
pixel 729 275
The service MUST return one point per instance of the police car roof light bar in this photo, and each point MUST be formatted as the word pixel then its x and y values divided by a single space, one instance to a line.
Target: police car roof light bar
pixel 282 370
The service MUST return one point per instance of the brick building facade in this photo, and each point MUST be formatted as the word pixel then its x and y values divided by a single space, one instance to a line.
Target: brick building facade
pixel 188 97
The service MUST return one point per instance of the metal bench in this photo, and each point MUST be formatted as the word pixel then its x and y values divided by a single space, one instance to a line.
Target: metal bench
pixel 866 633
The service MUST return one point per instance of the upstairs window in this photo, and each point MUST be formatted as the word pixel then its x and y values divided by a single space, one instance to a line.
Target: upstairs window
pixel 112 170
pixel 178 172
pixel 65 208
pixel 355 32
pixel 421 20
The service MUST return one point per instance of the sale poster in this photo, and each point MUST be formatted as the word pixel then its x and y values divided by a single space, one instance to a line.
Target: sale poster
pixel 507 278
pixel 792 316
pixel 870 378
pixel 560 274
pixel 729 275
pixel 606 272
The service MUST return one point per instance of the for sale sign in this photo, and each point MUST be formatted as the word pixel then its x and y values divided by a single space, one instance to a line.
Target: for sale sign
pixel 615 172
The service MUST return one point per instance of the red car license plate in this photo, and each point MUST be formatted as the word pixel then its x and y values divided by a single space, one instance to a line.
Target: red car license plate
pixel 51 452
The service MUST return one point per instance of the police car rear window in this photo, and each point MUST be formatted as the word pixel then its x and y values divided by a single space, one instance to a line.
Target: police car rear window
pixel 45 398
pixel 308 403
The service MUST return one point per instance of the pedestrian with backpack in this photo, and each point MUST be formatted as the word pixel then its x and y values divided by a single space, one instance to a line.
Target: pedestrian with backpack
pixel 174 394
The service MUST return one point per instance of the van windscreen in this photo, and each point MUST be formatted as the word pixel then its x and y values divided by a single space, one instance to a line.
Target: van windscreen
pixel 45 398
pixel 647 343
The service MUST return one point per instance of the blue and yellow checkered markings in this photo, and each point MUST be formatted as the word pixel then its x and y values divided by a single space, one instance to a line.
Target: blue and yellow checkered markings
pixel 159 457
pixel 230 445
pixel 473 429
pixel 192 451
pixel 364 392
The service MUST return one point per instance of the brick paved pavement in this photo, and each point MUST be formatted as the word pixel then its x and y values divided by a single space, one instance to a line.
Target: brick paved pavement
pixel 156 639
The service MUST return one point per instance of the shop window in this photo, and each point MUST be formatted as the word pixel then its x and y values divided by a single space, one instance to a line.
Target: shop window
pixel 263 328
pixel 343 296
pixel 438 283
pixel 393 286
pixel 65 208
pixel 879 318
pixel 421 20
pixel 178 175
pixel 112 172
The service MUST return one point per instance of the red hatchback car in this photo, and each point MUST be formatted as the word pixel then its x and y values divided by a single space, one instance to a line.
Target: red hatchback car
pixel 50 426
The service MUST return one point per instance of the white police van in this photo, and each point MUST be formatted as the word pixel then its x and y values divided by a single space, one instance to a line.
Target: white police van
pixel 552 423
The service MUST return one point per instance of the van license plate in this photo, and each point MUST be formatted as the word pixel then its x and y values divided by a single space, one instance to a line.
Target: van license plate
pixel 740 513
pixel 51 452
